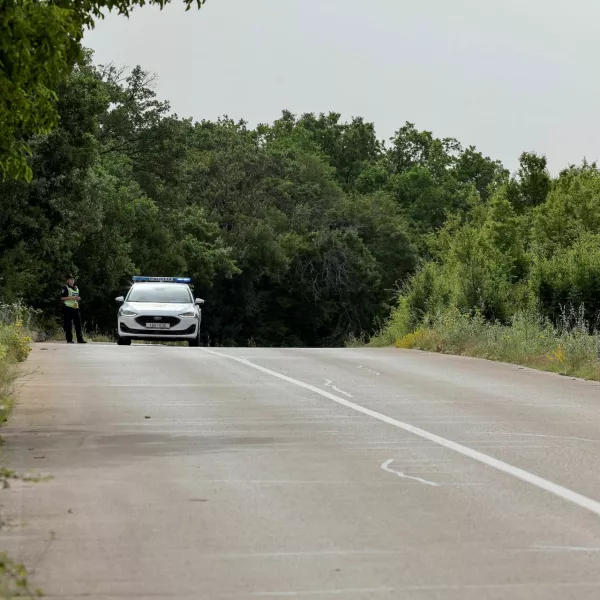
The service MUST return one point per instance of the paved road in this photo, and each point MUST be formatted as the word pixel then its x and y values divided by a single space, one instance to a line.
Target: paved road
pixel 180 473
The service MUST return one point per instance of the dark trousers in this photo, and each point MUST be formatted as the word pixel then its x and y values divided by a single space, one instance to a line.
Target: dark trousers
pixel 70 318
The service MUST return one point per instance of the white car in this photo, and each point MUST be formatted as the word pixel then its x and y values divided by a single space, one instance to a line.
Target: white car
pixel 159 308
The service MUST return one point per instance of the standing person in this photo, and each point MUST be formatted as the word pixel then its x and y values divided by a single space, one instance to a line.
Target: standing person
pixel 70 305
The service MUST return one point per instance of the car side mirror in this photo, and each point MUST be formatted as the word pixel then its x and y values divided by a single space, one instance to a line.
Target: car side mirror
pixel 199 301
pixel 120 299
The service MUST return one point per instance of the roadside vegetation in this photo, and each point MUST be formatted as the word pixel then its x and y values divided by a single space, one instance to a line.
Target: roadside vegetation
pixel 15 345
pixel 307 231
pixel 16 322
pixel 515 279
pixel 530 340
pixel 14 580
pixel 295 232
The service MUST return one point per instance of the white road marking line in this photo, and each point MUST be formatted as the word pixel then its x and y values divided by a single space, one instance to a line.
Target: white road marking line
pixel 502 445
pixel 296 482
pixel 304 554
pixel 386 467
pixel 430 588
pixel 337 592
pixel 542 435
pixel 329 383
pixel 370 370
pixel 490 461
pixel 563 549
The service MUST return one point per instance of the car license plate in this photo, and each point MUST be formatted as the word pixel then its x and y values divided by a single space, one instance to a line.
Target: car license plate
pixel 158 325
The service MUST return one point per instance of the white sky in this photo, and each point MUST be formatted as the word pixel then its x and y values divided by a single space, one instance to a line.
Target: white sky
pixel 504 75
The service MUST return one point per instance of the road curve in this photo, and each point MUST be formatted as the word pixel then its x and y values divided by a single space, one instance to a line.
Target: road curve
pixel 191 473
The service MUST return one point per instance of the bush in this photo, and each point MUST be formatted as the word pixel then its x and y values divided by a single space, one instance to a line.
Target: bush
pixel 571 276
pixel 398 325
pixel 15 345
pixel 16 341
pixel 531 340
pixel 18 313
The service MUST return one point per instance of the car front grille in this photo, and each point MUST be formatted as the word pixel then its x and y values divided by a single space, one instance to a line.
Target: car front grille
pixel 172 321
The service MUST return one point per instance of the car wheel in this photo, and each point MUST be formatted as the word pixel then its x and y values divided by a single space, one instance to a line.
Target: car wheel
pixel 196 341
pixel 123 341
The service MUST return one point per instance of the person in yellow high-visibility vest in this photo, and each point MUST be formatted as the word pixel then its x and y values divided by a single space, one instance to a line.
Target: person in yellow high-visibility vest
pixel 70 304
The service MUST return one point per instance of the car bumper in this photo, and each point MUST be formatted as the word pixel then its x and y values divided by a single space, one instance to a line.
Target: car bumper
pixel 129 329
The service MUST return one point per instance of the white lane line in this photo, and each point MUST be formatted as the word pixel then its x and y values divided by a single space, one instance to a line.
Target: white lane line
pixel 386 467
pixel 563 549
pixel 333 592
pixel 490 461
pixel 431 588
pixel 370 370
pixel 298 481
pixel 542 435
pixel 329 383
pixel 305 554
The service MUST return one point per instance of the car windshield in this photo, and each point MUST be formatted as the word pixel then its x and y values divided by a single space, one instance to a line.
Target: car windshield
pixel 170 293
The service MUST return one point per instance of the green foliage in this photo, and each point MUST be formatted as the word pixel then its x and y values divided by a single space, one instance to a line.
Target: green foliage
pixel 569 349
pixel 14 577
pixel 15 340
pixel 532 185
pixel 570 277
pixel 516 278
pixel 479 264
pixel 14 580
pixel 349 147
pixel 269 222
pixel 15 345
pixel 11 314
pixel 39 46
pixel 432 178
pixel 305 231
pixel 482 172
pixel 571 209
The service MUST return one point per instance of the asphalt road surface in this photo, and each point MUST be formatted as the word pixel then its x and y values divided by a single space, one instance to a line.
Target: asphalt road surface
pixel 187 473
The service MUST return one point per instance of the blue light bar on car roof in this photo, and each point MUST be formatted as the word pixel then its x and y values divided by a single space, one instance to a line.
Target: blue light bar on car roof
pixel 162 279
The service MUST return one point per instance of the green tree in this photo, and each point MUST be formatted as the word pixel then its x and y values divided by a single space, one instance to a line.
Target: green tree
pixel 480 265
pixel 533 182
pixel 296 233
pixel 42 222
pixel 485 174
pixel 423 178
pixel 571 209
pixel 570 279
pixel 40 43
pixel 350 147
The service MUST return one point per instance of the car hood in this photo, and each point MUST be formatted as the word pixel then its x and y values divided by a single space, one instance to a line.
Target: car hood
pixel 158 308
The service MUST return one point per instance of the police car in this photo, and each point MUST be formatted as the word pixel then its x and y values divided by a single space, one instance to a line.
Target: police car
pixel 159 308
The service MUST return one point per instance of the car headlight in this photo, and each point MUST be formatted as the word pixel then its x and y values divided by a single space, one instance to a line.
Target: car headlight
pixel 128 313
pixel 188 314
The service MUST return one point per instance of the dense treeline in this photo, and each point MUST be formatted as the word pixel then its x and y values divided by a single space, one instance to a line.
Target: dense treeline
pixel 40 43
pixel 299 232
pixel 533 248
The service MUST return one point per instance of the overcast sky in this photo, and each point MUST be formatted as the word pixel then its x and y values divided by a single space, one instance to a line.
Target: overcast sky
pixel 504 75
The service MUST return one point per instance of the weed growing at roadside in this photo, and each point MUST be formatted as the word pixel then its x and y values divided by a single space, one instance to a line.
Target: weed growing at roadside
pixel 15 345
pixel 569 348
pixel 354 341
pixel 14 580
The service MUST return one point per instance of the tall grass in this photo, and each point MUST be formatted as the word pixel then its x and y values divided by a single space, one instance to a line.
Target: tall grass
pixel 570 347
pixel 16 320
pixel 11 314
pixel 15 344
